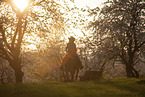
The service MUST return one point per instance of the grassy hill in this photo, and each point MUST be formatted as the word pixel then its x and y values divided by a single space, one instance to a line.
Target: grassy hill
pixel 105 88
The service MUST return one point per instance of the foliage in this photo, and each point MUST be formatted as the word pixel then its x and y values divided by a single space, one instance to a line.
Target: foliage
pixel 43 63
pixel 40 18
pixel 6 72
pixel 118 33
pixel 109 88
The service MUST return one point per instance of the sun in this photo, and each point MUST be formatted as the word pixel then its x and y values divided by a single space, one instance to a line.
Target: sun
pixel 21 4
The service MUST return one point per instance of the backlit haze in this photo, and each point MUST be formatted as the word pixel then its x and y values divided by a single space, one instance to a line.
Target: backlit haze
pixel 22 4
pixel 89 3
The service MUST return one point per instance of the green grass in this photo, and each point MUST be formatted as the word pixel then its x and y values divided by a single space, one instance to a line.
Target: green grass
pixel 105 88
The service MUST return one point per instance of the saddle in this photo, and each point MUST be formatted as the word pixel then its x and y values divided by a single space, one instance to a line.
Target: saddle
pixel 67 58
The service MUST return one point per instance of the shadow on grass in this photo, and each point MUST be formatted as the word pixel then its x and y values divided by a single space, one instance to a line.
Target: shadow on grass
pixel 131 86
pixel 141 82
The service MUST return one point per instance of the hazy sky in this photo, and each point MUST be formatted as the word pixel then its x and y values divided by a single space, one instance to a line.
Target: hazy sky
pixel 89 3
pixel 83 4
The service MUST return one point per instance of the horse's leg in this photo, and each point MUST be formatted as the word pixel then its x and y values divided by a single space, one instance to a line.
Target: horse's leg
pixel 67 76
pixel 72 75
pixel 77 71
pixel 64 75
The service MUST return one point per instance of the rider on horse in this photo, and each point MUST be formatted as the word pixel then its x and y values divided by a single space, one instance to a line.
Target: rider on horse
pixel 71 50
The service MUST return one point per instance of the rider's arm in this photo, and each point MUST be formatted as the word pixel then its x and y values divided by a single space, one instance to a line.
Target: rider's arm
pixel 75 48
pixel 66 49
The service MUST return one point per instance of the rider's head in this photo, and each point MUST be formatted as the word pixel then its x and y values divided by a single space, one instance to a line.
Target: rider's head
pixel 71 39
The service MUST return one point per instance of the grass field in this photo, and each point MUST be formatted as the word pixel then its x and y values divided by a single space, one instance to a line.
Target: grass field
pixel 105 88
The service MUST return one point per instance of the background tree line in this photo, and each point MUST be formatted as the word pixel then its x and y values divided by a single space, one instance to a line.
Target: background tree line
pixel 116 37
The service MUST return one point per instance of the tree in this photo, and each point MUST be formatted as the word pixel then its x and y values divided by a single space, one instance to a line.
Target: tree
pixel 121 21
pixel 47 58
pixel 15 24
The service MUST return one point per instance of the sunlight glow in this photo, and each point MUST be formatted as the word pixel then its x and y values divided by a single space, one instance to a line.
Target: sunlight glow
pixel 33 41
pixel 89 3
pixel 21 4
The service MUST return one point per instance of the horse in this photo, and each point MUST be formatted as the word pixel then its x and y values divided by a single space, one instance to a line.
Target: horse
pixel 72 66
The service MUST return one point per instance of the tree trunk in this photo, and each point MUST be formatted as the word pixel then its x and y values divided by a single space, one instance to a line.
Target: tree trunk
pixel 136 73
pixel 129 71
pixel 19 75
pixel 16 65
